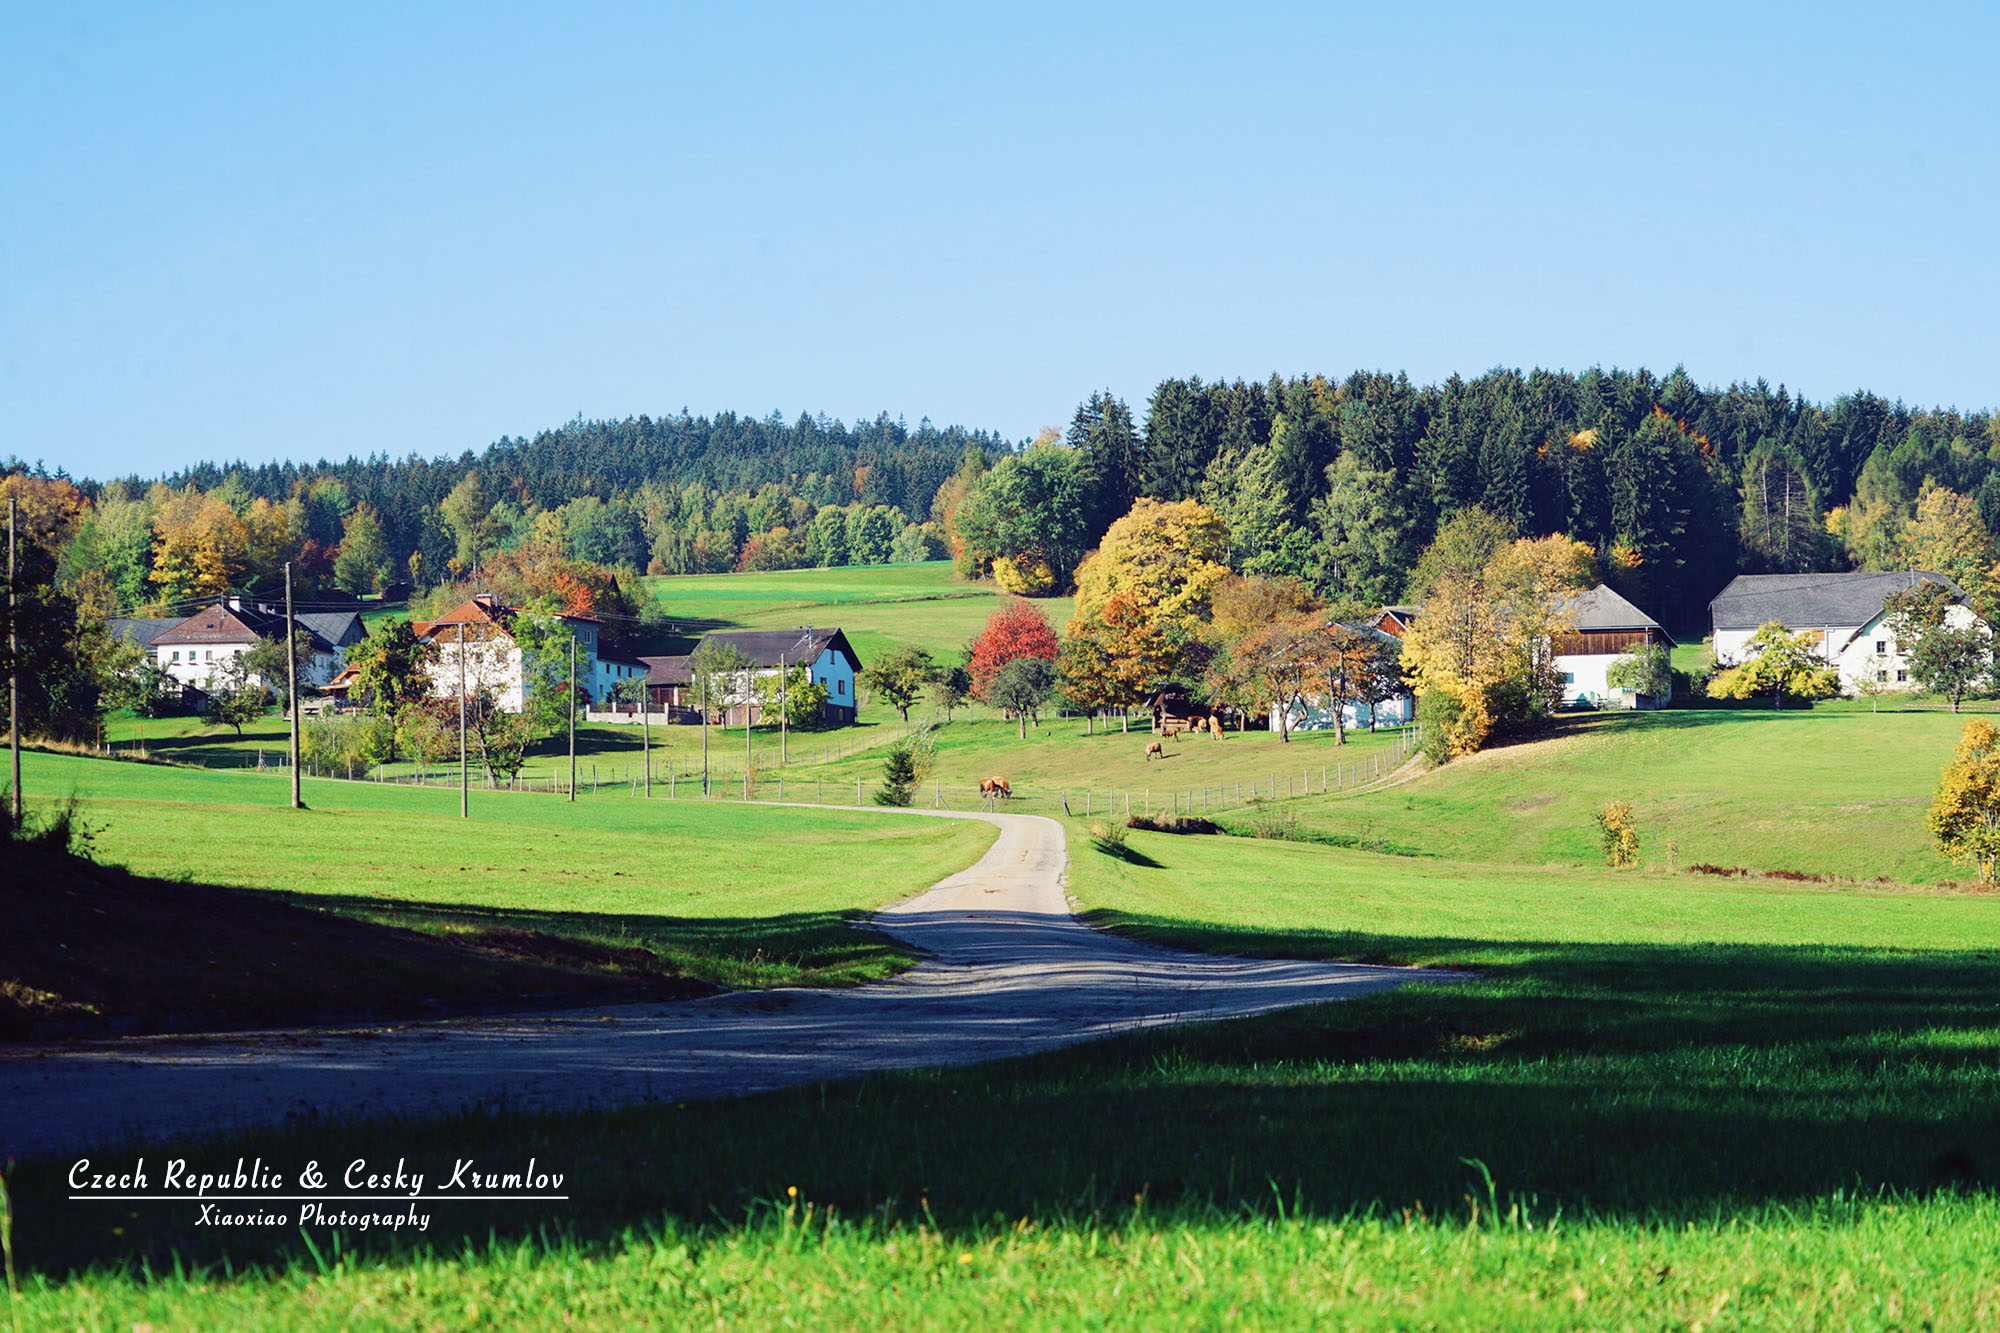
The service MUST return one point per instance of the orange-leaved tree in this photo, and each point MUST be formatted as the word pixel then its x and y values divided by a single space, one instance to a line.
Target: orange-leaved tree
pixel 1018 629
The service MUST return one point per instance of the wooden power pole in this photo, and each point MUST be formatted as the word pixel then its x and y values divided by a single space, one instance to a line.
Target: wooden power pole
pixel 571 687
pixel 292 683
pixel 464 790
pixel 13 663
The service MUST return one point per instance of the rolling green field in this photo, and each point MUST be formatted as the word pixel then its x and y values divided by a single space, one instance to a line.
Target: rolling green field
pixel 1659 1100
pixel 1834 791
pixel 877 605
pixel 768 905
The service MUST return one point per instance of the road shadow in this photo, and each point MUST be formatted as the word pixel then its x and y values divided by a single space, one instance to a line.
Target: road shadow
pixel 1656 1084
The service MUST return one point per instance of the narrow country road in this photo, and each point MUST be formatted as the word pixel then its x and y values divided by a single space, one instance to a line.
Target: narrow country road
pixel 1010 971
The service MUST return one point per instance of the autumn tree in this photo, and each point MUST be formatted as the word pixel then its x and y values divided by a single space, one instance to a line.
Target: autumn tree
pixel 1965 813
pixel 1167 557
pixel 1018 629
pixel 1348 666
pixel 1778 662
pixel 1272 666
pixel 1945 535
pixel 198 546
pixel 1116 654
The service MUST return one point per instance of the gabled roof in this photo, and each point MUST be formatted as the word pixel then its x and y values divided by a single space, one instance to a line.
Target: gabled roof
pixel 1813 601
pixel 141 630
pixel 1602 609
pixel 236 621
pixel 668 670
pixel 797 647
pixel 483 609
pixel 213 624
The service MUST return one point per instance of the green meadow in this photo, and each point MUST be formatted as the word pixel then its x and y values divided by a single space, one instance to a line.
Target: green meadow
pixel 878 605
pixel 1838 790
pixel 1660 1099
pixel 725 893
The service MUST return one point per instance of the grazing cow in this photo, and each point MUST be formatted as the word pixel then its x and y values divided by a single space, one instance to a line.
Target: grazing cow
pixel 995 788
pixel 1215 724
pixel 1154 750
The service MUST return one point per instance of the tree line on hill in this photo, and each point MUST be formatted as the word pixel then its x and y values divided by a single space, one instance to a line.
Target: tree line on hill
pixel 1338 486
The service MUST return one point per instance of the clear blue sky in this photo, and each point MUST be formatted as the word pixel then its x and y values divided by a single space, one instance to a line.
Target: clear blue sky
pixel 304 231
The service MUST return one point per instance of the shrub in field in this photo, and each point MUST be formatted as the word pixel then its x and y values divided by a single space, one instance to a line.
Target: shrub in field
pixel 1108 836
pixel 1619 834
pixel 1281 825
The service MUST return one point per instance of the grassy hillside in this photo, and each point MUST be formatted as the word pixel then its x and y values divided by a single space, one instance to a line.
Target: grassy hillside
pixel 768 905
pixel 1837 791
pixel 922 604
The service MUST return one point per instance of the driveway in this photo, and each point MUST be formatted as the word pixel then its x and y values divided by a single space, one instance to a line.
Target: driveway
pixel 1010 972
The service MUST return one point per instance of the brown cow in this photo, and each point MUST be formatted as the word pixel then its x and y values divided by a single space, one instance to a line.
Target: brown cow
pixel 1215 724
pixel 1154 750
pixel 995 788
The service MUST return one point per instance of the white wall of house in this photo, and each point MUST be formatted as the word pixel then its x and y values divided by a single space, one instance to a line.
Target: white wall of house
pixel 1858 652
pixel 1314 714
pixel 1585 678
pixel 195 663
pixel 493 664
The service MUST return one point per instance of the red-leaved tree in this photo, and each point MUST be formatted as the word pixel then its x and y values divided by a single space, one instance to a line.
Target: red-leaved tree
pixel 1016 630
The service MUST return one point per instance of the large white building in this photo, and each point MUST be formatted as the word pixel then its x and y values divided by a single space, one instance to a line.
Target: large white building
pixel 493 658
pixel 194 649
pixel 1843 612
pixel 826 655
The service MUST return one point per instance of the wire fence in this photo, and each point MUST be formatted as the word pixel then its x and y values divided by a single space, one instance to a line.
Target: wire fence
pixel 725 783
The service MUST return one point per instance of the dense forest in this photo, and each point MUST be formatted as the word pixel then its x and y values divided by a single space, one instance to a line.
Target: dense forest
pixel 1338 483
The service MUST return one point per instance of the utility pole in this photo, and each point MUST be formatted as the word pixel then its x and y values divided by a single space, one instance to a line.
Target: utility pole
pixel 646 730
pixel 464 787
pixel 13 662
pixel 292 682
pixel 571 688
pixel 784 713
pixel 748 691
pixel 704 731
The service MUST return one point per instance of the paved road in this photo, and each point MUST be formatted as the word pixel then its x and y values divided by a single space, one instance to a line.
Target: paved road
pixel 1010 972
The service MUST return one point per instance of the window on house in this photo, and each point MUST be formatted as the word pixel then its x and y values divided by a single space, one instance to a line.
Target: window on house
pixel 1882 676
pixel 843 687
pixel 1881 645
pixel 1902 676
pixel 1569 678
pixel 177 654
pixel 211 655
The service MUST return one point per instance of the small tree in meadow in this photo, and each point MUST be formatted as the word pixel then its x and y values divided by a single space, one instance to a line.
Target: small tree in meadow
pixel 900 676
pixel 234 698
pixel 1618 831
pixel 1023 685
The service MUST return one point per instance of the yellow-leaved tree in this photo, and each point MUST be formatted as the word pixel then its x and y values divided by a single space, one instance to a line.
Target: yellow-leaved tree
pixel 1483 648
pixel 1965 814
pixel 1166 556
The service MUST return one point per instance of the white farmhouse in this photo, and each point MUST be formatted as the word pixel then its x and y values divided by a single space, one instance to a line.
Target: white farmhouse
pixel 1607 627
pixel 493 656
pixel 194 649
pixel 1844 614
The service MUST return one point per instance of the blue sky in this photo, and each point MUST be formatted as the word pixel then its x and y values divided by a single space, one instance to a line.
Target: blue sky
pixel 305 231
